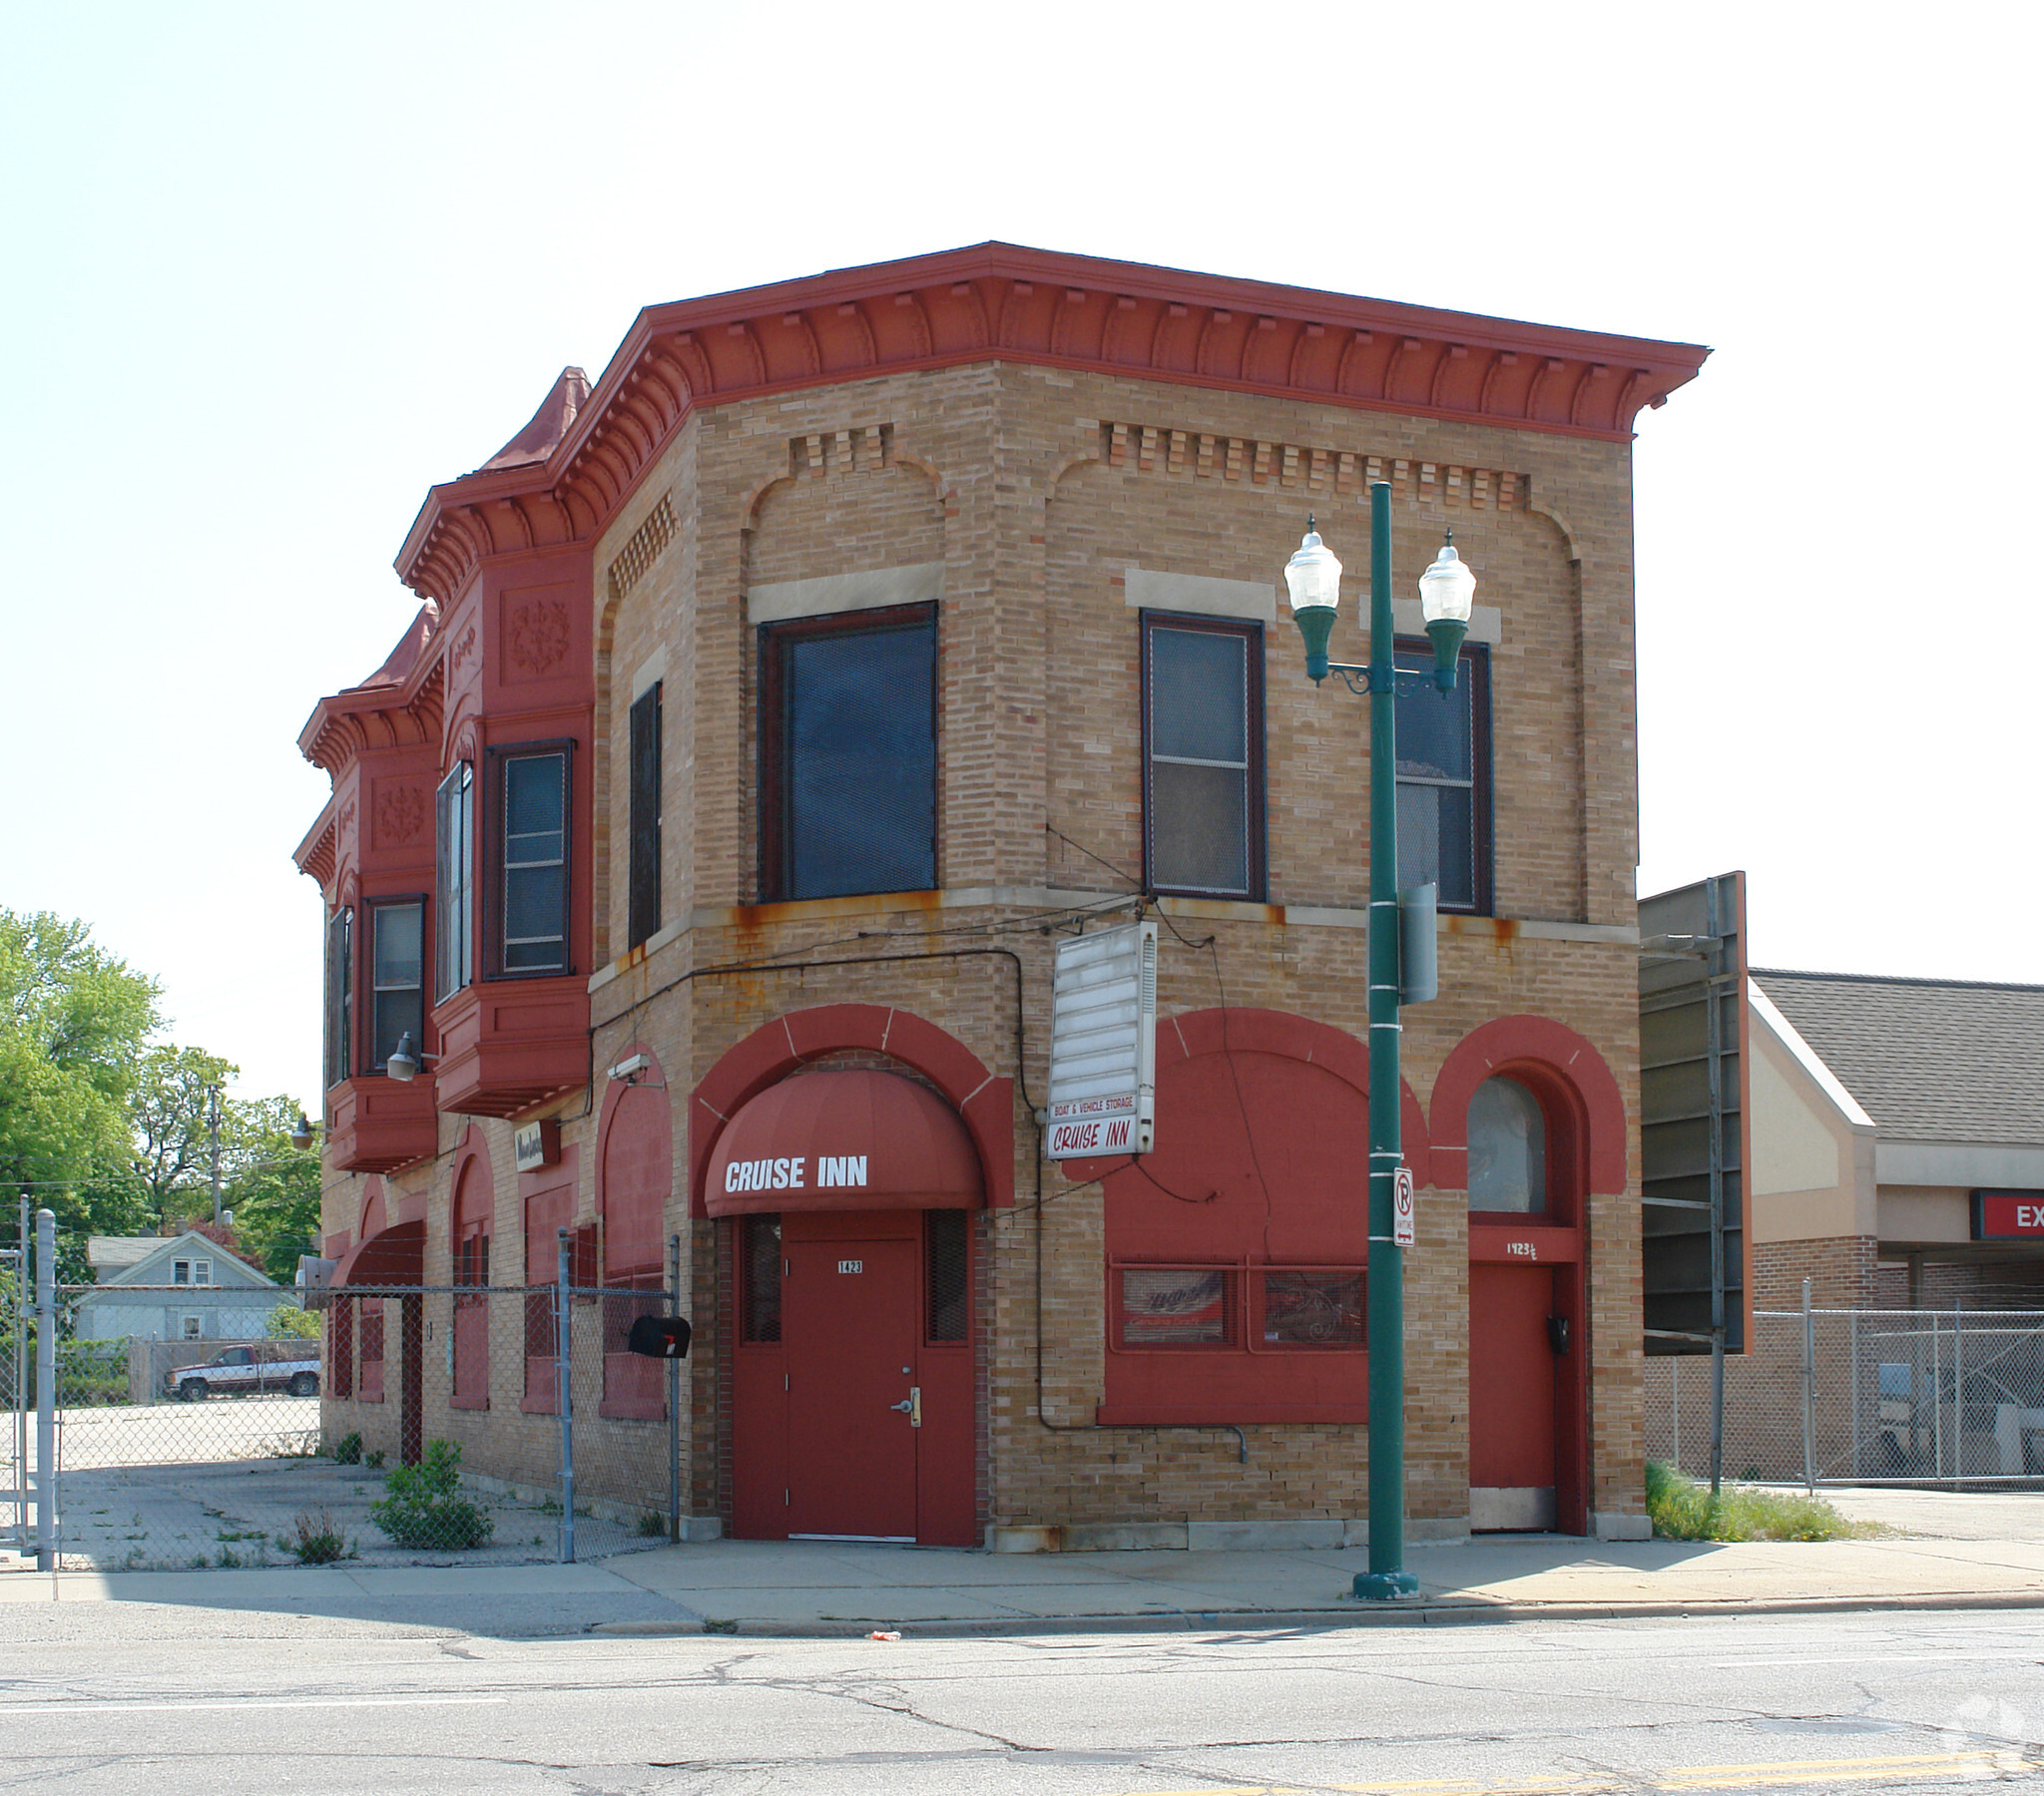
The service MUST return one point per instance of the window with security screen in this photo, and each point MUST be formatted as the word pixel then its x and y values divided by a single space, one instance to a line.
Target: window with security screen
pixel 849 754
pixel 1203 756
pixel 1444 781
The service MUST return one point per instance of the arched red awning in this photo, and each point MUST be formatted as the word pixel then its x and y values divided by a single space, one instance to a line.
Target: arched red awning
pixel 849 1140
pixel 395 1256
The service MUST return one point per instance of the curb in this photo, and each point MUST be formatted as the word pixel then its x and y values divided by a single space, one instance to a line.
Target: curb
pixel 1434 1614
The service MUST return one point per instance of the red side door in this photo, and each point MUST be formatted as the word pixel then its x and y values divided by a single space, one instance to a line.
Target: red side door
pixel 1511 1397
pixel 850 1311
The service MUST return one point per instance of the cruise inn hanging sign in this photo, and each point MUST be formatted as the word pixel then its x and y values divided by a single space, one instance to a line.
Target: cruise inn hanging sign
pixel 1103 1044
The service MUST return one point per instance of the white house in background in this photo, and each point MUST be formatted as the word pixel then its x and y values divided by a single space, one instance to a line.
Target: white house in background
pixel 175 1288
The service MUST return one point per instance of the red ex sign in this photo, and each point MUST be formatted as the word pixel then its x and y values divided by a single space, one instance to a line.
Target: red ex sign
pixel 2008 1215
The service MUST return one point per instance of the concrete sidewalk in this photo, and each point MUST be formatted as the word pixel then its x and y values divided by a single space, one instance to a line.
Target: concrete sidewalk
pixel 822 1587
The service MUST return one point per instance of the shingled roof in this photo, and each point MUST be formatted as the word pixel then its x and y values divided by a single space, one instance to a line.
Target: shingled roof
pixel 1932 1059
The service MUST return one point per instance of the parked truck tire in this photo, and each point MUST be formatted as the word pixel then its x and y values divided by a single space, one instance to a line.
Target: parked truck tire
pixel 304 1384
pixel 193 1390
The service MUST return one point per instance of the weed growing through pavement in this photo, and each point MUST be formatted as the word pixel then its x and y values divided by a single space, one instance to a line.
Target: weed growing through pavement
pixel 347 1451
pixel 1682 1509
pixel 315 1539
pixel 374 1461
pixel 424 1506
pixel 652 1525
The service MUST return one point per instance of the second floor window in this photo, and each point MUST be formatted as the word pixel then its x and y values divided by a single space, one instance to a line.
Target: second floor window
pixel 339 994
pixel 849 754
pixel 397 976
pixel 1445 782
pixel 454 912
pixel 1203 752
pixel 533 865
pixel 645 817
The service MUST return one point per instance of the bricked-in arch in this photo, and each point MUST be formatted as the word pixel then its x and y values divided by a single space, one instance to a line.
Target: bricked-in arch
pixel 634 1159
pixel 985 1102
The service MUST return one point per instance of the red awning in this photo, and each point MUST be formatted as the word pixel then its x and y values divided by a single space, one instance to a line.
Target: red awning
pixel 396 1256
pixel 851 1141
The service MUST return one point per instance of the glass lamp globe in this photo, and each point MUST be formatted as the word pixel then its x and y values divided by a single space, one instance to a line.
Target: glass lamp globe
pixel 1313 574
pixel 1447 590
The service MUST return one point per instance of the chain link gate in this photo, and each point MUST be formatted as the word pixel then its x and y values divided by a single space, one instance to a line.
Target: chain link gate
pixel 425 1424
pixel 1833 1396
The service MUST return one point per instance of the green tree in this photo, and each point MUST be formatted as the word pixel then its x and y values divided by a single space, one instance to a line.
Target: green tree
pixel 169 1110
pixel 73 1023
pixel 289 1324
pixel 271 1187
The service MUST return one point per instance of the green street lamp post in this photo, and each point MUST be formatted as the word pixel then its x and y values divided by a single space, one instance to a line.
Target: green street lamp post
pixel 1313 576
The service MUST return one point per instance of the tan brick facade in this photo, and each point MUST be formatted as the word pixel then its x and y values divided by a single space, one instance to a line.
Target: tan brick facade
pixel 1036 489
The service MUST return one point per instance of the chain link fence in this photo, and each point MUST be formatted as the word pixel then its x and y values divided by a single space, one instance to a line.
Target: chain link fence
pixel 423 1424
pixel 1832 1396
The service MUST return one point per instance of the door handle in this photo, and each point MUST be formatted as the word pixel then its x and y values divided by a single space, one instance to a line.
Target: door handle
pixel 912 1406
pixel 905 1406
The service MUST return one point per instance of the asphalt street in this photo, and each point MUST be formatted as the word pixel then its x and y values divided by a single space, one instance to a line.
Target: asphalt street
pixel 118 1698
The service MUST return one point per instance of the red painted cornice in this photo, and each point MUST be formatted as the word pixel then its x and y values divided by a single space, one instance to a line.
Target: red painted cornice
pixel 1000 301
pixel 398 706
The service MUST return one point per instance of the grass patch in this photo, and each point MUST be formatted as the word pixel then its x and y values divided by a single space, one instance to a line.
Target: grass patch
pixel 1682 1509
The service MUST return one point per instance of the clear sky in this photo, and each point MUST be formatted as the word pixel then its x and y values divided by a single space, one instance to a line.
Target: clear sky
pixel 271 271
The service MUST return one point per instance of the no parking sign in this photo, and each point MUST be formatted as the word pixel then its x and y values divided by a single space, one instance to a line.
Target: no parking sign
pixel 1402 1206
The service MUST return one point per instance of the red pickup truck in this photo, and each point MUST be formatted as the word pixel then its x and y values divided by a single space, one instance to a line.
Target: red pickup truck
pixel 264 1366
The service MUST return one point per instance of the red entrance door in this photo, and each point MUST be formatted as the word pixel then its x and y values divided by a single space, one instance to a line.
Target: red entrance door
pixel 1511 1397
pixel 850 1311
pixel 852 1405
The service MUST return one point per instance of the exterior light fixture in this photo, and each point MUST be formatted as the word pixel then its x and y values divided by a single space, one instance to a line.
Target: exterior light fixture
pixel 1313 575
pixel 301 1137
pixel 1446 592
pixel 406 1062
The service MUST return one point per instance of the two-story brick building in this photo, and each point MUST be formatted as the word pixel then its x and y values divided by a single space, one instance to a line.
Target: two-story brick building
pixel 780 701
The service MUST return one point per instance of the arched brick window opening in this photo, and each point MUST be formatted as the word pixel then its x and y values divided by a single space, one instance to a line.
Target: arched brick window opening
pixel 1237 1253
pixel 473 1220
pixel 1507 1149
pixel 370 1325
pixel 635 1175
pixel 1529 1122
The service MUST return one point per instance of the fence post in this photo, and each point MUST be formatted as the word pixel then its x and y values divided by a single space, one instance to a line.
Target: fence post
pixel 46 1390
pixel 1852 1385
pixel 1936 1403
pixel 1958 1392
pixel 564 1399
pixel 19 1423
pixel 1808 1393
pixel 1675 1402
pixel 674 1401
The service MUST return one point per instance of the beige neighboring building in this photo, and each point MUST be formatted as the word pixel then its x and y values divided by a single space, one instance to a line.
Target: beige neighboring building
pixel 1897 1141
